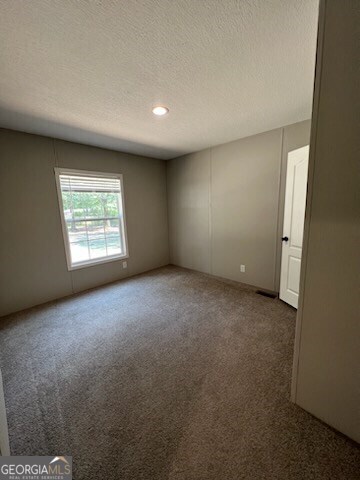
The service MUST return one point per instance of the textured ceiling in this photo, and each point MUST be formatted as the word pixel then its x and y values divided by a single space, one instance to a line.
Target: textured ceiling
pixel 90 71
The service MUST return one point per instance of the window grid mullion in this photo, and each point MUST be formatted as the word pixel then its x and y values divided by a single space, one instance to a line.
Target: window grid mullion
pixel 87 237
pixel 95 219
pixel 106 246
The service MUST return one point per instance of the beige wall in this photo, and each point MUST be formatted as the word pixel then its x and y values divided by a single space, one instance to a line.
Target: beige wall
pixel 32 256
pixel 327 357
pixel 188 207
pixel 226 206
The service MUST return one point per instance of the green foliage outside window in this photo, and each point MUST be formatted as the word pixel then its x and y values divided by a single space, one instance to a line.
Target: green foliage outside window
pixel 90 204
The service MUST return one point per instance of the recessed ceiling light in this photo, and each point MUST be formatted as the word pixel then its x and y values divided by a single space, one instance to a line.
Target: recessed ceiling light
pixel 159 110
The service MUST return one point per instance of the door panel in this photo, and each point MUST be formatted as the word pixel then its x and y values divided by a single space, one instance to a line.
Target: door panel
pixel 298 203
pixel 294 275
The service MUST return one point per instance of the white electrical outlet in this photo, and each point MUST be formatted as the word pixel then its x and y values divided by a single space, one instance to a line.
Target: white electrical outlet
pixel 124 264
pixel 242 268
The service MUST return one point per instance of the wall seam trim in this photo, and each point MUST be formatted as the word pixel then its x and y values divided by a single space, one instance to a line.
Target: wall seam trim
pixel 210 212
pixel 55 152
pixel 168 209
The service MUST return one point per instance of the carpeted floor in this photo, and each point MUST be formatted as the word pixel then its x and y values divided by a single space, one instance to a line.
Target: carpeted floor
pixel 168 375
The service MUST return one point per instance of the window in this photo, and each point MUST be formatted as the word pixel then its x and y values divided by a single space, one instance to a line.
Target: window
pixel 92 215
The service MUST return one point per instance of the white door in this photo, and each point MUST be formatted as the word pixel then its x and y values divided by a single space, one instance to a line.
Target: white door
pixel 294 215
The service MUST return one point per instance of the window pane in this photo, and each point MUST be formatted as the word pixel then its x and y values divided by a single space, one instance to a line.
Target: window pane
pixel 111 204
pixel 97 242
pixel 78 241
pixel 79 252
pixel 86 205
pixel 76 231
pixel 112 230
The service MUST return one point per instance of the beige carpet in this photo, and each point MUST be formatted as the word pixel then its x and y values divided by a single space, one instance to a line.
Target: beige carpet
pixel 167 375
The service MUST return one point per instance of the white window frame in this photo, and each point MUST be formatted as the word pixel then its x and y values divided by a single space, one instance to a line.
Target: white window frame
pixel 94 261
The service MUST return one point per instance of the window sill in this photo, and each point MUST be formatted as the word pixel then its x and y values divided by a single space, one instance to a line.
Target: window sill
pixel 100 261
